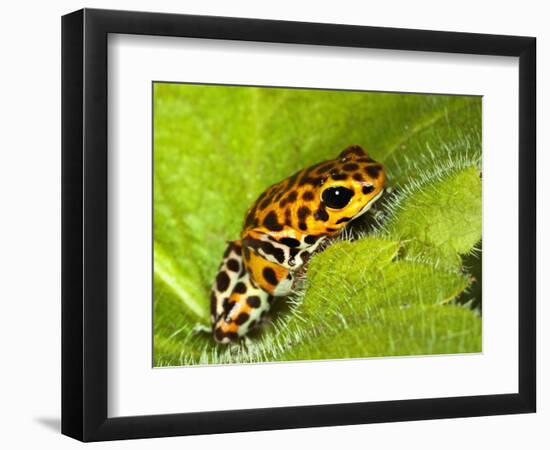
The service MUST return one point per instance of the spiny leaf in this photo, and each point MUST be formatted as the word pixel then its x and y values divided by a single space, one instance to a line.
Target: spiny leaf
pixel 398 331
pixel 441 218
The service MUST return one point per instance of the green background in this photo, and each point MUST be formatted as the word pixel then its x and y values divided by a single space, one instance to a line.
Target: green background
pixel 404 283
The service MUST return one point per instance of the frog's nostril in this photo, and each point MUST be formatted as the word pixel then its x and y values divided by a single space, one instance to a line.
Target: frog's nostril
pixel 367 188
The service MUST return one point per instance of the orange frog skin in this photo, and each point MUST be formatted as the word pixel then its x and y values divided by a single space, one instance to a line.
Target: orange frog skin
pixel 285 225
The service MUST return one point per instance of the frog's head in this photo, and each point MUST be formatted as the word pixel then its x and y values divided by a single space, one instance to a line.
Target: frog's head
pixel 319 200
pixel 351 184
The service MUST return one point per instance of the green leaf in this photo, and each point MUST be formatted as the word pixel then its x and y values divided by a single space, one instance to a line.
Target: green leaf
pixel 356 287
pixel 441 218
pixel 216 148
pixel 399 331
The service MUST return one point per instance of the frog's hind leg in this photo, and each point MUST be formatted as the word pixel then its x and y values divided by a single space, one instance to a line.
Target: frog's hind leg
pixel 242 311
pixel 237 305
pixel 227 277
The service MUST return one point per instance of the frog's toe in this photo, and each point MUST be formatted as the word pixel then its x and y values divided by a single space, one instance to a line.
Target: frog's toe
pixel 201 328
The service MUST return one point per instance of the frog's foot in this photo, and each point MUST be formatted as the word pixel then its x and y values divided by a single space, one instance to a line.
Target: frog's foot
pixel 201 328
pixel 264 320
pixel 248 342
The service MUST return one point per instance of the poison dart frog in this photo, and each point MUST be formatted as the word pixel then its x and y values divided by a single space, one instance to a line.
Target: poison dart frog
pixel 285 225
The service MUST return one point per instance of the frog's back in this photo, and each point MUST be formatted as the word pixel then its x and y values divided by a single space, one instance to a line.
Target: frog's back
pixel 272 211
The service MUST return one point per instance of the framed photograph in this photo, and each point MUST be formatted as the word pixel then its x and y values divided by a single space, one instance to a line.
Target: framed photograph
pixel 273 224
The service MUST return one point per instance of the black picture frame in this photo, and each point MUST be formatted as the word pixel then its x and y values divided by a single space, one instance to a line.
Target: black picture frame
pixel 84 224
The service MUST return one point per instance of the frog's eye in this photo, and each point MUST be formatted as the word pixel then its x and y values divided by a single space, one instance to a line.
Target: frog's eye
pixel 337 197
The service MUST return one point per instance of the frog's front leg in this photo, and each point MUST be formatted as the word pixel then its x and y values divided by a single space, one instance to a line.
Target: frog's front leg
pixel 267 275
